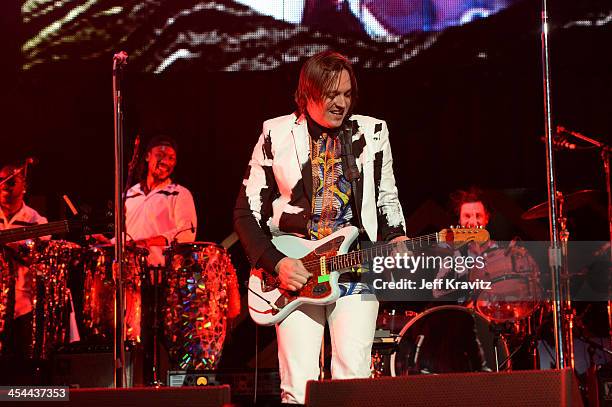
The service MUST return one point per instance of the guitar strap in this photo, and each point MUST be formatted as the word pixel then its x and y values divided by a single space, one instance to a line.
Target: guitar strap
pixel 350 170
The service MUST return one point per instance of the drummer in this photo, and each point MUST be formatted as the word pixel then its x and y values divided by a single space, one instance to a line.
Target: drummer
pixel 159 211
pixel 15 213
pixel 472 211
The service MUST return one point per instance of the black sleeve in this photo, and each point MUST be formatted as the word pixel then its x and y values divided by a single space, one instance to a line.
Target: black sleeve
pixel 254 208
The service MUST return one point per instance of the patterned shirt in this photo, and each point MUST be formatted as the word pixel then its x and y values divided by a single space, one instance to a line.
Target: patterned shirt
pixel 331 195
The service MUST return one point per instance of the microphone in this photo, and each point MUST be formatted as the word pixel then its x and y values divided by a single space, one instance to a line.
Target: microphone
pixel 191 229
pixel 31 161
pixel 121 57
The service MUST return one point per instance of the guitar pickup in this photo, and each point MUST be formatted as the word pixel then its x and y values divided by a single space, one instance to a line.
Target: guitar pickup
pixel 322 265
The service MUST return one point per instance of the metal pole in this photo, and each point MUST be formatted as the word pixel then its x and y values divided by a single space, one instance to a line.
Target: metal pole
pixel 554 254
pixel 605 158
pixel 119 60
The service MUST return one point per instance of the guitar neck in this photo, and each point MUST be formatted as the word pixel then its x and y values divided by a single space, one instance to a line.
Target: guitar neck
pixel 359 257
pixel 29 232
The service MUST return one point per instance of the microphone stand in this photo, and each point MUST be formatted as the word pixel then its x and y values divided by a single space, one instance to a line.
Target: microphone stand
pixel 554 252
pixel 605 151
pixel 23 168
pixel 119 62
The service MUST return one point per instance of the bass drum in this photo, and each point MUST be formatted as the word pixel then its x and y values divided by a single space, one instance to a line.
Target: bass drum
pixel 447 339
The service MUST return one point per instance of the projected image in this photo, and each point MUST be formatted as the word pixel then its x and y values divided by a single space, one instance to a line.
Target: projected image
pixel 236 35
pixel 379 18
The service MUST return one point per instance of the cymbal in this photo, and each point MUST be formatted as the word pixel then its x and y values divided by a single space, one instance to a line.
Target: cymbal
pixel 571 202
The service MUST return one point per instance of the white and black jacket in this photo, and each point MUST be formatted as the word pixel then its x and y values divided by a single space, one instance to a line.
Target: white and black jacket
pixel 276 194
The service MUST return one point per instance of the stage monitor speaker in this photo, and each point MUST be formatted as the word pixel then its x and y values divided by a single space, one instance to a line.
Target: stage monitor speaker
pixel 511 389
pixel 213 396
pixel 600 386
pixel 92 369
pixel 242 382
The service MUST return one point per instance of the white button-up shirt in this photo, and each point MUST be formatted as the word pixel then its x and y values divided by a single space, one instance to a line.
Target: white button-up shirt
pixel 168 210
pixel 26 216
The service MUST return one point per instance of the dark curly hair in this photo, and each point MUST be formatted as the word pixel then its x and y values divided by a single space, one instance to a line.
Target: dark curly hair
pixel 473 194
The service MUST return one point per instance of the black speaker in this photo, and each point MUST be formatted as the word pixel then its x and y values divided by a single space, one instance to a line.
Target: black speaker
pixel 242 382
pixel 214 396
pixel 525 388
pixel 93 368
pixel 599 384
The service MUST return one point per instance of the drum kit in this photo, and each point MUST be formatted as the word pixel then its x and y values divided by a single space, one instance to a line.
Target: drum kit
pixel 195 287
pixel 499 329
pixel 474 336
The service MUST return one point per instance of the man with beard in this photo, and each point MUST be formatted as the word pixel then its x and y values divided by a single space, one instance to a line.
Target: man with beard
pixel 15 213
pixel 157 210
pixel 296 183
pixel 472 211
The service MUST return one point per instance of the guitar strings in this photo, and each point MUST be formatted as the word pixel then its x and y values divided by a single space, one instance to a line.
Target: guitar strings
pixel 358 252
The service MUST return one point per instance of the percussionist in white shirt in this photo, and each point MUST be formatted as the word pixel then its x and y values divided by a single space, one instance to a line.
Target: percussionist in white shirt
pixel 157 209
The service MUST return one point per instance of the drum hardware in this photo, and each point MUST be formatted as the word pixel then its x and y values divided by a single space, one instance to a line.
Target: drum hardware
pixel 23 169
pixel 448 338
pixel 100 290
pixel 604 151
pixel 558 258
pixel 563 325
pixel 521 331
pixel 419 343
pixel 155 282
pixel 393 321
pixel 383 346
pixel 573 201
pixel 190 228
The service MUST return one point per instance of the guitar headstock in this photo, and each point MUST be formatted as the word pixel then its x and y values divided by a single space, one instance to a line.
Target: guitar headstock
pixel 458 236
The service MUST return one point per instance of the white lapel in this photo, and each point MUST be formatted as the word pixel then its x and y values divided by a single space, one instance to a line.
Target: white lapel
pixel 301 139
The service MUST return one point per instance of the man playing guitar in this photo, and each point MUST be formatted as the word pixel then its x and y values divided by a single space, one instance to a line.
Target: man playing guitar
pixel 297 183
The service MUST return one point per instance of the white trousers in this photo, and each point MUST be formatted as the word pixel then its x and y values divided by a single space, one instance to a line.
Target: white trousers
pixel 352 322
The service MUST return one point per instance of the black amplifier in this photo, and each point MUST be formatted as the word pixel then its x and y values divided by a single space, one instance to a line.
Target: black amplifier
pixel 242 382
pixel 93 366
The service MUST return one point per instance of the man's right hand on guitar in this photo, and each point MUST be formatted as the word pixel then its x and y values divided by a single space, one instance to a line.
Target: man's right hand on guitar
pixel 292 273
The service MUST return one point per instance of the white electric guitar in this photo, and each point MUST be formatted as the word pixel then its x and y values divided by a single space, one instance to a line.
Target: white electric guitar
pixel 327 259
